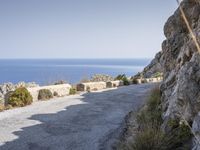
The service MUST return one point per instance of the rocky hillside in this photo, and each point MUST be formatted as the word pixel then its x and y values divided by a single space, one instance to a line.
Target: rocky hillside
pixel 180 61
pixel 153 68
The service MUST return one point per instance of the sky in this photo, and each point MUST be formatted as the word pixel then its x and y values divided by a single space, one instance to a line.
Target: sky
pixel 83 28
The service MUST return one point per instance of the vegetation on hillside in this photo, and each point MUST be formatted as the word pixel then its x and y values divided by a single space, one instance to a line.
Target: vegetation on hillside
pixel 72 91
pixel 123 78
pixel 20 97
pixel 150 135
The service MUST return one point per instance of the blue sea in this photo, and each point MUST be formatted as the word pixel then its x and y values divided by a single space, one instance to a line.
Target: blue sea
pixel 47 71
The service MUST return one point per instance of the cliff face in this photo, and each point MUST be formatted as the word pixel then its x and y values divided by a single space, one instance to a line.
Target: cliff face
pixel 152 69
pixel 180 62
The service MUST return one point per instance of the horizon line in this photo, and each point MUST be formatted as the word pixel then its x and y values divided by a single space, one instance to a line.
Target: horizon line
pixel 82 58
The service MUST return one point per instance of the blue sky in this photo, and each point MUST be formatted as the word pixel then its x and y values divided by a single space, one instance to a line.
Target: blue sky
pixel 82 28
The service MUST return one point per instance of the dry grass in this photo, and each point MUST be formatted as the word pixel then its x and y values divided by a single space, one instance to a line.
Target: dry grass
pixel 2 107
pixel 150 136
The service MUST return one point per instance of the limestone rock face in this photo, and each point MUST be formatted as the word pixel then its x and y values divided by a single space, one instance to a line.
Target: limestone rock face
pixel 180 63
pixel 153 68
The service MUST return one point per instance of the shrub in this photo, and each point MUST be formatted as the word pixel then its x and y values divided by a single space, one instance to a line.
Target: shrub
pixel 45 94
pixel 120 77
pixel 149 135
pixel 88 89
pixel 144 81
pixel 55 93
pixel 20 97
pixel 157 74
pixel 123 78
pixel 125 81
pixel 72 91
pixel 149 138
pixel 134 81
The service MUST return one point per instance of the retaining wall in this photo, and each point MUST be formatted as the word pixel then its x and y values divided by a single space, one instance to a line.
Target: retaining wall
pixel 61 90
pixel 112 84
pixel 91 86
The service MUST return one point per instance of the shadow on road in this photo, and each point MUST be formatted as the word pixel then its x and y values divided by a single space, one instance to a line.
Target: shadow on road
pixel 84 126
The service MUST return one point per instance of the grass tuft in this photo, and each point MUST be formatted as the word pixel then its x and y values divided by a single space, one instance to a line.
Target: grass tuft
pixel 150 136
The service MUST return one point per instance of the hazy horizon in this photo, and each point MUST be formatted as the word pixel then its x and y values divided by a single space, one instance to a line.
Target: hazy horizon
pixel 66 29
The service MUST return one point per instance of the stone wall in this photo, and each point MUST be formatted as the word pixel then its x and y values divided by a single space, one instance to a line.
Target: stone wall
pixel 62 90
pixel 112 84
pixel 91 86
pixel 149 80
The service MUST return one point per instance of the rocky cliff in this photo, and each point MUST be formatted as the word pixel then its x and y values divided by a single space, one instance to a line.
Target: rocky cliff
pixel 153 69
pixel 180 61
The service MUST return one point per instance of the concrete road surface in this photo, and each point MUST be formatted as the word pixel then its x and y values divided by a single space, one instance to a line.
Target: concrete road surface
pixel 89 121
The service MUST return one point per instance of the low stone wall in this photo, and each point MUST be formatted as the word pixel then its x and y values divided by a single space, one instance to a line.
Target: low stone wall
pixel 62 90
pixel 91 86
pixel 154 79
pixel 112 84
pixel 149 80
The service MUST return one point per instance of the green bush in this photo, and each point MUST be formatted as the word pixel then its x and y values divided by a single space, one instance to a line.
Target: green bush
pixel 88 89
pixel 20 97
pixel 144 81
pixel 123 78
pixel 45 94
pixel 55 93
pixel 152 113
pixel 72 91
pixel 134 81
pixel 149 138
pixel 149 135
pixel 120 77
pixel 125 81
pixel 157 74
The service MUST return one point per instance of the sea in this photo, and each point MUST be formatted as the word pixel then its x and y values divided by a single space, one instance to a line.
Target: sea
pixel 48 71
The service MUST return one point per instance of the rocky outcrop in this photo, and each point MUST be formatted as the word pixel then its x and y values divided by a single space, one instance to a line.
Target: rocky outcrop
pixel 180 63
pixel 101 78
pixel 153 68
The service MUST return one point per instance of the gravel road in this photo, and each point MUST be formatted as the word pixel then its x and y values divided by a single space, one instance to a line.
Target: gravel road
pixel 89 121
